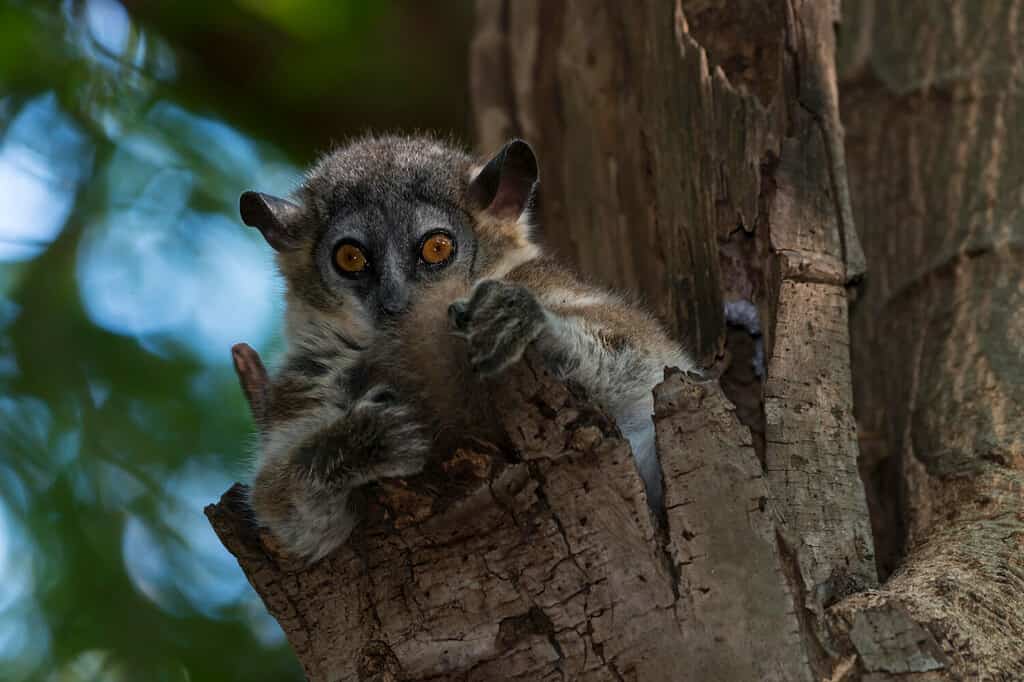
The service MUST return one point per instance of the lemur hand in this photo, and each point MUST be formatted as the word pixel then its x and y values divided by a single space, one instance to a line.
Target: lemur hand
pixel 376 438
pixel 499 320
pixel 303 490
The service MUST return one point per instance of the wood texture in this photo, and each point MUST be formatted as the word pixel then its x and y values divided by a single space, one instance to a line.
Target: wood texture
pixel 693 152
pixel 735 606
pixel 547 566
pixel 932 104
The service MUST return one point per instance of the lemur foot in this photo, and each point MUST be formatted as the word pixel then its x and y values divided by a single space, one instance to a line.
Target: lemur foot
pixel 499 320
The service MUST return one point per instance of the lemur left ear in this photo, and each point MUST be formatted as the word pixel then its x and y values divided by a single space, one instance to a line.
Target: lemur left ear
pixel 276 218
pixel 504 186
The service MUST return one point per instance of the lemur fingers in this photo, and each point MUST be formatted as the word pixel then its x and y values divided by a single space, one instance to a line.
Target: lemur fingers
pixel 499 321
pixel 376 438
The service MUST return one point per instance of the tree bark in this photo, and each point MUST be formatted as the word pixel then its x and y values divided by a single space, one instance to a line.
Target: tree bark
pixel 693 152
pixel 933 109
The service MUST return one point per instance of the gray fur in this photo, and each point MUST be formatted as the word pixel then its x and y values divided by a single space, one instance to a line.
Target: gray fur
pixel 331 425
pixel 621 380
pixel 386 194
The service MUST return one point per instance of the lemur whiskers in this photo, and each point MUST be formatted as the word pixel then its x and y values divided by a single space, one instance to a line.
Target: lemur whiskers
pixel 412 280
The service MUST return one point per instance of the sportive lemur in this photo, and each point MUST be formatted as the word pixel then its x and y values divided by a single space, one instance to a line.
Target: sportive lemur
pixel 412 281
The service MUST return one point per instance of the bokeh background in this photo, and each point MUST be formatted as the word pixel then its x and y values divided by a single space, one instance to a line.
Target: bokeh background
pixel 127 131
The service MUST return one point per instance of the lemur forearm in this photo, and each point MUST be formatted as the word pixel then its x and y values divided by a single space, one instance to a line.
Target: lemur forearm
pixel 616 352
pixel 619 374
pixel 309 390
pixel 614 349
pixel 612 354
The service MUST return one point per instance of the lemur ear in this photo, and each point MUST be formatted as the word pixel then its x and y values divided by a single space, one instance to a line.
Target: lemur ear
pixel 504 186
pixel 276 218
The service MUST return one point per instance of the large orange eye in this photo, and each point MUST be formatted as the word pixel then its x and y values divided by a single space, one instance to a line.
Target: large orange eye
pixel 350 258
pixel 437 249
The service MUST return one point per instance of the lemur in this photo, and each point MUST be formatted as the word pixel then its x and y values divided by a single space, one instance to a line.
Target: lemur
pixel 412 280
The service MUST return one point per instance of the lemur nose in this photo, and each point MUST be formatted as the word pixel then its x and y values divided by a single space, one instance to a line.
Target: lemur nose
pixel 394 298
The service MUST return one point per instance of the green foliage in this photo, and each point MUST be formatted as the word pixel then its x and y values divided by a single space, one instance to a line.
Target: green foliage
pixel 125 139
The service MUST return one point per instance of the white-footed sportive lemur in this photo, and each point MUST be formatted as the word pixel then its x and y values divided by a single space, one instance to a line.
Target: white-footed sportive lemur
pixel 412 280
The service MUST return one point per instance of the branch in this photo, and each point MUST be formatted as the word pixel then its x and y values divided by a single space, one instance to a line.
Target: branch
pixel 252 376
pixel 548 563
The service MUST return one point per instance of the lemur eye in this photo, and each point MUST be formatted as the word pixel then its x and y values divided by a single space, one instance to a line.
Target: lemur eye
pixel 437 248
pixel 350 258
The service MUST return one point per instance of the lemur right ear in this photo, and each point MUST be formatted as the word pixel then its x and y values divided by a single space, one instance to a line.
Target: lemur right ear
pixel 276 218
pixel 504 186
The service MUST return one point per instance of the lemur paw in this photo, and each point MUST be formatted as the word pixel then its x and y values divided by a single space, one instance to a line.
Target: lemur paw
pixel 377 437
pixel 499 320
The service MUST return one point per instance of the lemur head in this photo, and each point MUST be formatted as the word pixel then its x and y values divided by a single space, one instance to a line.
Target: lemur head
pixel 381 218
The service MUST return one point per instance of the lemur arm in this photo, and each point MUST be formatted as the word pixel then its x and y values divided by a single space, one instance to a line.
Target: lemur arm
pixel 323 434
pixel 588 334
pixel 615 351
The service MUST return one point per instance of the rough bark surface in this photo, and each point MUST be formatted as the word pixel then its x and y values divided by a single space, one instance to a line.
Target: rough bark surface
pixel 734 603
pixel 549 566
pixel 692 151
pixel 933 108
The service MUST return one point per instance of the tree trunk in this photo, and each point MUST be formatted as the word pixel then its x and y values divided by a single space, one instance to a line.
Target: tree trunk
pixel 933 112
pixel 693 152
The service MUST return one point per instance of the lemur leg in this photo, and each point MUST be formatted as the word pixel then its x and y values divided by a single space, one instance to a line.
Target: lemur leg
pixel 318 446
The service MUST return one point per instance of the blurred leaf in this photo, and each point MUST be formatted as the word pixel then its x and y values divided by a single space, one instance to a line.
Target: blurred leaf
pixel 125 139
